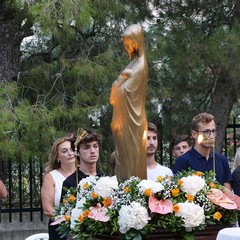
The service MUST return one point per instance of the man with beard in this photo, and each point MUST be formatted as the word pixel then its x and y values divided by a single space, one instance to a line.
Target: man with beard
pixel 201 157
pixel 154 169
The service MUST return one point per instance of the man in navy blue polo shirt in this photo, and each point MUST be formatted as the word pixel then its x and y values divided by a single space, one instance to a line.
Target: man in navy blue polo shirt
pixel 200 157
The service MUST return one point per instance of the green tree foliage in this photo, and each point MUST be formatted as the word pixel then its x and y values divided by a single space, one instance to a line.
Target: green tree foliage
pixel 24 132
pixel 197 50
pixel 67 68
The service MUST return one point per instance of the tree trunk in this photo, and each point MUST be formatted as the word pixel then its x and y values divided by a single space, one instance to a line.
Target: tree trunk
pixel 223 98
pixel 10 40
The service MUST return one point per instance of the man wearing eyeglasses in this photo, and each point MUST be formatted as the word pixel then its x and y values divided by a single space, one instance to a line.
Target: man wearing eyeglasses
pixel 201 157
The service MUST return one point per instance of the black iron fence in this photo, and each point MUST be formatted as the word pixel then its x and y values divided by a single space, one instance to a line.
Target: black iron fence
pixel 23 181
pixel 24 178
pixel 232 139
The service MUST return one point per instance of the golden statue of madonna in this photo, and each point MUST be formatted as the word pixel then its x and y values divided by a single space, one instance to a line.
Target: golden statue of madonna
pixel 128 97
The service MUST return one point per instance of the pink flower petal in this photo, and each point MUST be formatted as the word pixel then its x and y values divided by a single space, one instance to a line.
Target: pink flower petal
pixel 98 213
pixel 160 206
pixel 235 198
pixel 217 197
pixel 59 220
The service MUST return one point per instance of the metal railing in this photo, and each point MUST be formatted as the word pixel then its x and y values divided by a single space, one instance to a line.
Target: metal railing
pixel 232 139
pixel 24 180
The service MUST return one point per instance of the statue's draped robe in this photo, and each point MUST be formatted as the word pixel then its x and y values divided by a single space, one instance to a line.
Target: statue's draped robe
pixel 129 122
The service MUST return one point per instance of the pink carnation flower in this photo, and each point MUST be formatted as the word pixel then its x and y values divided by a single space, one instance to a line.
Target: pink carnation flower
pixel 160 206
pixel 98 213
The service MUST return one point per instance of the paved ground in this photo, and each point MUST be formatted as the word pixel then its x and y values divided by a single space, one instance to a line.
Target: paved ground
pixel 17 230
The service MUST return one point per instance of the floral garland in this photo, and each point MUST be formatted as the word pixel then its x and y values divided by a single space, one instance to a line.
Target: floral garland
pixel 135 208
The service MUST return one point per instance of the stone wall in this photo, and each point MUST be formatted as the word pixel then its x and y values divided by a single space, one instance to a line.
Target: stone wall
pixel 17 230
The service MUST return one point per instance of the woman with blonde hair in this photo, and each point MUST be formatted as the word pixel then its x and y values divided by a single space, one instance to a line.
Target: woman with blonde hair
pixel 60 165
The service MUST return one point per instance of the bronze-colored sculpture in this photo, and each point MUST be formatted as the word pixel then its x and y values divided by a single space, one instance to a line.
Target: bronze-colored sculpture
pixel 128 96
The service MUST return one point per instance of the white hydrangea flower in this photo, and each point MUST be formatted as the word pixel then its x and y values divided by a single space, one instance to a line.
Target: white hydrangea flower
pixel 105 186
pixel 192 184
pixel 146 184
pixel 132 216
pixel 192 214
pixel 80 202
pixel 76 212
pixel 91 180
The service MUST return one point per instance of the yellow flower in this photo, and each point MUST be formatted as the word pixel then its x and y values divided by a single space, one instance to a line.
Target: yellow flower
pixel 67 218
pixel 107 202
pixel 175 208
pixel 190 197
pixel 147 192
pixel 94 195
pixel 81 218
pixel 159 178
pixel 64 201
pixel 175 192
pixel 71 198
pixel 217 216
pixel 86 185
pixel 212 185
pixel 127 189
pixel 180 182
pixel 85 213
pixel 199 173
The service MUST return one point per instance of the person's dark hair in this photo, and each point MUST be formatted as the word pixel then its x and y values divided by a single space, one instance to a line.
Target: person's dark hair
pixel 90 137
pixel 152 127
pixel 180 138
pixel 204 118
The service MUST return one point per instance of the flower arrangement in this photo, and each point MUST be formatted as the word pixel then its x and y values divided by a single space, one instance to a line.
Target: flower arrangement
pixel 134 208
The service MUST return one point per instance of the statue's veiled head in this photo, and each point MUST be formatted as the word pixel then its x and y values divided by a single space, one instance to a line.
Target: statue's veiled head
pixel 133 39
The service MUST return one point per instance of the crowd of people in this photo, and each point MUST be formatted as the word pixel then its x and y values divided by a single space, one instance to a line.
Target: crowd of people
pixel 74 157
